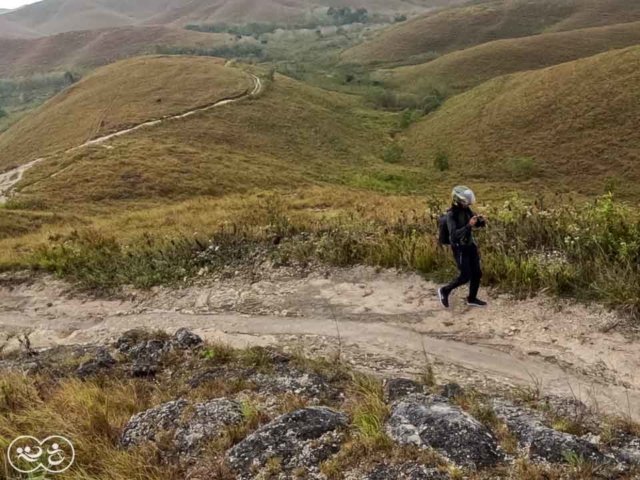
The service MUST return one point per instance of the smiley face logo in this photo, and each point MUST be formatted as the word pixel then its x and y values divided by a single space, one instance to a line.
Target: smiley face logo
pixel 54 454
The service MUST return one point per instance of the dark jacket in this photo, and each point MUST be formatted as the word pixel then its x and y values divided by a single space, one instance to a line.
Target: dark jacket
pixel 460 232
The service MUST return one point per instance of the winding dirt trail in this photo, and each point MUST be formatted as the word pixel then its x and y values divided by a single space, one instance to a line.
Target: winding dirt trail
pixel 382 321
pixel 9 179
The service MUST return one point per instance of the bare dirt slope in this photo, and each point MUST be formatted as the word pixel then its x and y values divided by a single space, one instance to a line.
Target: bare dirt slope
pixel 384 321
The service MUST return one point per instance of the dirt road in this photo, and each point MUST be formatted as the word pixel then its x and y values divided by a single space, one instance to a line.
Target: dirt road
pixel 382 321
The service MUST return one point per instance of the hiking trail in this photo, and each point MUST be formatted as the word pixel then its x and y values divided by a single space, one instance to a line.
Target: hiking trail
pixel 386 322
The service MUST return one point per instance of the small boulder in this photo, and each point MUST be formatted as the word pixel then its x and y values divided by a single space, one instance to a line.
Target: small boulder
pixel 409 471
pixel 397 388
pixel 103 361
pixel 543 442
pixel 186 340
pixel 434 422
pixel 300 439
pixel 190 426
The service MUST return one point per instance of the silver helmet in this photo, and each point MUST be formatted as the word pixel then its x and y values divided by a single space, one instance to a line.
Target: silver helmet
pixel 463 196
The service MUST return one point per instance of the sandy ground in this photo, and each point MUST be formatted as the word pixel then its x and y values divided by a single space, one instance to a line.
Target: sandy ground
pixel 383 321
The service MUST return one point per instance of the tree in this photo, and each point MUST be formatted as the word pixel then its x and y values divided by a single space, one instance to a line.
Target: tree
pixel 3 113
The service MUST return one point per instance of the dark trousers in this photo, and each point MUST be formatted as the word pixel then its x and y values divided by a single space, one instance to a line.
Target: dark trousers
pixel 468 260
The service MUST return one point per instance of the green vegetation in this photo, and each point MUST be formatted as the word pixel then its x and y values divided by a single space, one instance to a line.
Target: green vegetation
pixel 346 16
pixel 237 50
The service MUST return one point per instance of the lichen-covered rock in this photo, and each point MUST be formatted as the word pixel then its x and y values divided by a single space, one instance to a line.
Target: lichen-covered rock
pixel 190 426
pixel 397 388
pixel 434 422
pixel 541 441
pixel 409 471
pixel 300 439
pixel 630 453
pixel 452 390
pixel 103 361
pixel 185 340
pixel 284 380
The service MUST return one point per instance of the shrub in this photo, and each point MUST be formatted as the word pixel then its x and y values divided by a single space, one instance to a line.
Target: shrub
pixel 521 168
pixel 441 162
pixel 393 153
pixel 3 113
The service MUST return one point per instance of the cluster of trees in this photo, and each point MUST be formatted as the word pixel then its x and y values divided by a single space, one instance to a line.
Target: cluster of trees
pixel 238 50
pixel 253 29
pixel 346 16
pixel 16 91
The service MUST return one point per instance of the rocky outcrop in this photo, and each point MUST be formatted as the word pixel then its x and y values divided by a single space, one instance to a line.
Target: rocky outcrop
pixel 102 362
pixel 543 442
pixel 189 426
pixel 146 353
pixel 301 439
pixel 431 421
pixel 398 388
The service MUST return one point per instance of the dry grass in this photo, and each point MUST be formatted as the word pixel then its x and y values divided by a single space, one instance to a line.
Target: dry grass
pixel 93 48
pixel 576 123
pixel 459 71
pixel 461 27
pixel 118 96
pixel 291 136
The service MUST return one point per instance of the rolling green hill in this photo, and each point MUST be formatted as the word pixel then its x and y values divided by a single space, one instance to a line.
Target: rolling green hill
pixel 472 24
pixel 459 71
pixel 569 127
pixel 116 97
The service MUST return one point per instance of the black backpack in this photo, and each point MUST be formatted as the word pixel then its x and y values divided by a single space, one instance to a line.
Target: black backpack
pixel 444 235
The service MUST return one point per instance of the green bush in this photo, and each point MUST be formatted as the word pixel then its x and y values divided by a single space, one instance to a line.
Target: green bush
pixel 521 168
pixel 393 153
pixel 441 162
pixel 3 113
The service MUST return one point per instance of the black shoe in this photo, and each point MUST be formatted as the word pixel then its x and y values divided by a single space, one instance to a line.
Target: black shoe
pixel 476 303
pixel 443 297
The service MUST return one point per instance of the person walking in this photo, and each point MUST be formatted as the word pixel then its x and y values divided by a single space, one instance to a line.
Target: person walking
pixel 461 221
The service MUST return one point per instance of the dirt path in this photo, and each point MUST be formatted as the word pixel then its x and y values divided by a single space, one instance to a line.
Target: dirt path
pixel 9 179
pixel 382 321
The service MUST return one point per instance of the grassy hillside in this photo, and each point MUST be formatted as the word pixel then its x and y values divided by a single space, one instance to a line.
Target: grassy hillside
pixel 92 48
pixel 57 16
pixel 118 96
pixel 480 22
pixel 461 70
pixel 9 29
pixel 290 136
pixel 571 127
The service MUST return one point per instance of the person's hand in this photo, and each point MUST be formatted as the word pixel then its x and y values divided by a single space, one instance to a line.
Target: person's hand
pixel 473 222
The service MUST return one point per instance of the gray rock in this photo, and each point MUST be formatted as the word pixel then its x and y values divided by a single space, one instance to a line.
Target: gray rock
pixel 452 390
pixel 410 471
pixel 186 340
pixel 397 388
pixel 434 422
pixel 189 425
pixel 542 442
pixel 102 362
pixel 300 439
pixel 629 453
